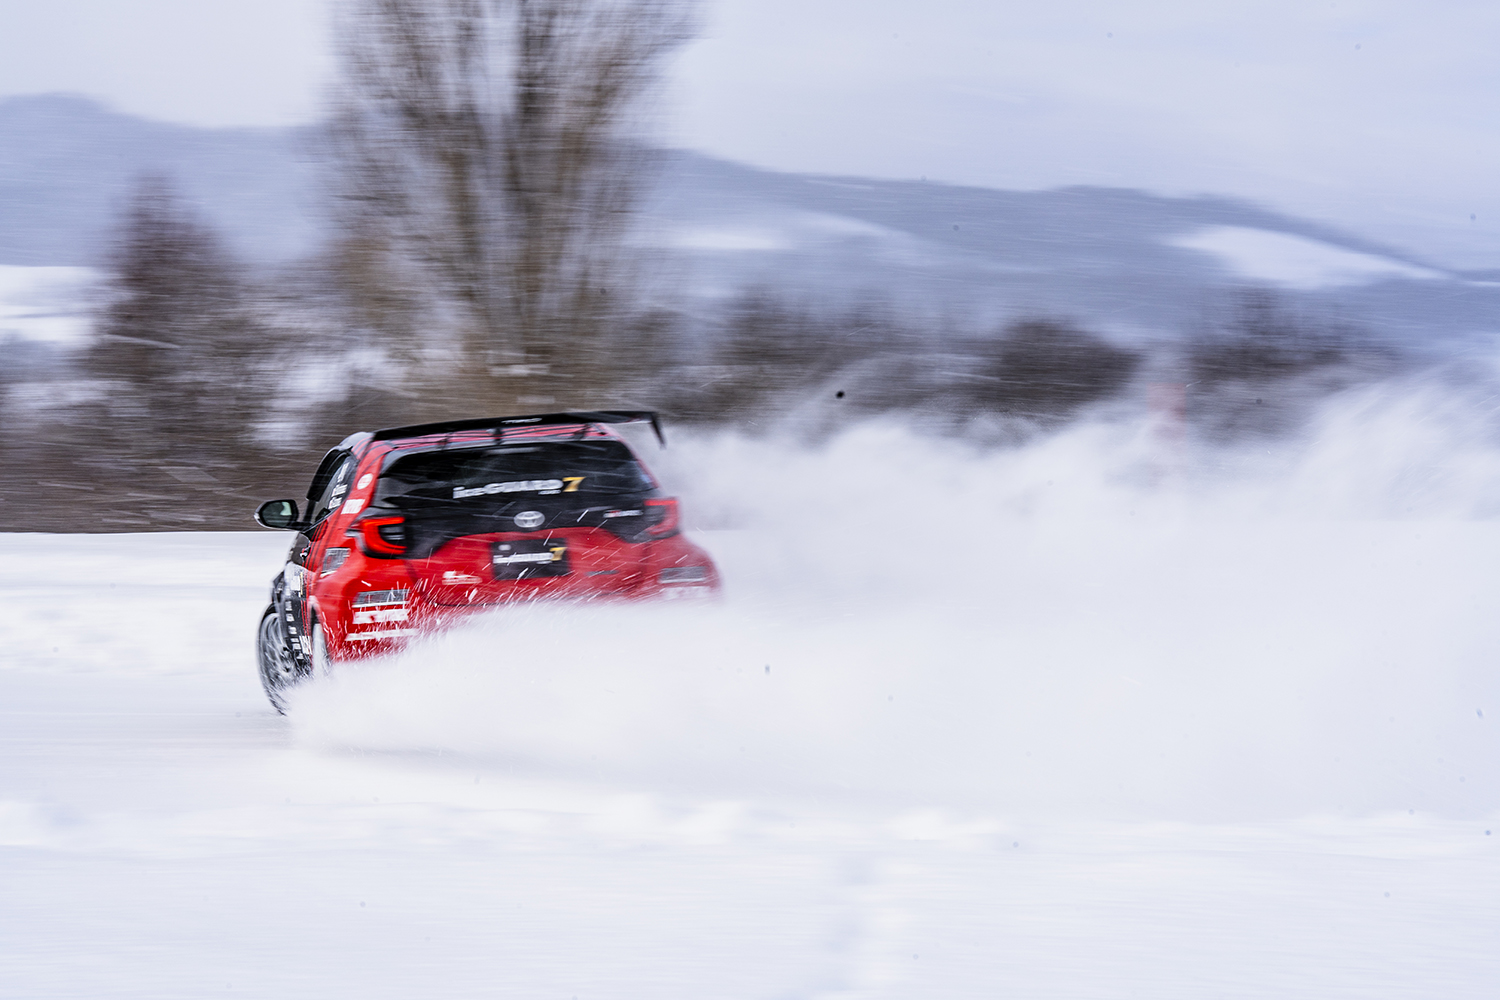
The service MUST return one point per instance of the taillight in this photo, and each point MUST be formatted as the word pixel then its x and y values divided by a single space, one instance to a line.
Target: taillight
pixel 661 517
pixel 384 536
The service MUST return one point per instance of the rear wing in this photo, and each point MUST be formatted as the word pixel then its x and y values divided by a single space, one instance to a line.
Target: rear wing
pixel 502 424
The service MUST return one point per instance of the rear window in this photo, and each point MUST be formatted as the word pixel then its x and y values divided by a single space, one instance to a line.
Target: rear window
pixel 480 475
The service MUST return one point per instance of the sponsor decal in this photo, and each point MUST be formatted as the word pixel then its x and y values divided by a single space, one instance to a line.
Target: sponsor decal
pixel 364 481
pixel 375 615
pixel 529 559
pixel 551 555
pixel 528 519
pixel 673 593
pixel 340 484
pixel 522 486
pixel 453 577
pixel 390 633
pixel 333 559
pixel 354 506
pixel 381 597
pixel 623 513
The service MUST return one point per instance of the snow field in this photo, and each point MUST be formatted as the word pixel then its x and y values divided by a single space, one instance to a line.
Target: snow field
pixel 1096 717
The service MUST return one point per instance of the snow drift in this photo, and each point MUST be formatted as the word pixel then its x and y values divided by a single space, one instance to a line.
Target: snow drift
pixel 1105 622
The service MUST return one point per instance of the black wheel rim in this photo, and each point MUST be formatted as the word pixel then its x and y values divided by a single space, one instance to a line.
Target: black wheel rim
pixel 278 670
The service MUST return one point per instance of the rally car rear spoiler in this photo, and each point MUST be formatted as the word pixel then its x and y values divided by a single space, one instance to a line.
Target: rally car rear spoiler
pixel 501 424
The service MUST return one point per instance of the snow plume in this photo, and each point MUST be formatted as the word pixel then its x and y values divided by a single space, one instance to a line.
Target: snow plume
pixel 1109 621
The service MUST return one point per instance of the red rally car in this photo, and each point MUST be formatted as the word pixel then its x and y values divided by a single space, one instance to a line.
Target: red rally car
pixel 410 528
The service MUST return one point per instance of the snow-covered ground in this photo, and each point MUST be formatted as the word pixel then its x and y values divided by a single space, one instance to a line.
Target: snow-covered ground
pixel 1098 717
pixel 1295 261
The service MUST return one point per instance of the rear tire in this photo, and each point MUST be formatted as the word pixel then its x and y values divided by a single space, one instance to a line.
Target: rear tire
pixel 317 659
pixel 279 669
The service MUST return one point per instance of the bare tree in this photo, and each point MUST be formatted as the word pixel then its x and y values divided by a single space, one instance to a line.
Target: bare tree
pixel 180 373
pixel 176 339
pixel 493 143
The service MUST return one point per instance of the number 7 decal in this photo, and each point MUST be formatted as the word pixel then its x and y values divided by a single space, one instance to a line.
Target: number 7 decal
pixel 572 482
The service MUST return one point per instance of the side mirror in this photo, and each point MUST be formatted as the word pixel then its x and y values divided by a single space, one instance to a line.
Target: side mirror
pixel 278 514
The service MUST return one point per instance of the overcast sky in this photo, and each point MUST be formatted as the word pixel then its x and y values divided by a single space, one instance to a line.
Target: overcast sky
pixel 1379 115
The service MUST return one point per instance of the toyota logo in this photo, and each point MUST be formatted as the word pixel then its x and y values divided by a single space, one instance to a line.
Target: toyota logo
pixel 528 519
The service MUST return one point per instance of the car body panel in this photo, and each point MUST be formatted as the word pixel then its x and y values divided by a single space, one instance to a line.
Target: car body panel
pixel 545 538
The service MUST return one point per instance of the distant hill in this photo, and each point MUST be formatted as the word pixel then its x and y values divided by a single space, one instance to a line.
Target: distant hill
pixel 1120 260
pixel 1123 261
pixel 67 164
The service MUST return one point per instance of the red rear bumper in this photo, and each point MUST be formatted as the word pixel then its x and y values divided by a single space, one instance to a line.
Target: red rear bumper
pixel 370 606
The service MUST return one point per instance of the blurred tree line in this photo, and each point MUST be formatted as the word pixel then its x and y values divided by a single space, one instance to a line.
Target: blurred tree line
pixel 487 160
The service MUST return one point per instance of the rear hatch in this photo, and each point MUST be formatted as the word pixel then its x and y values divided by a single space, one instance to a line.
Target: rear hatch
pixel 505 521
